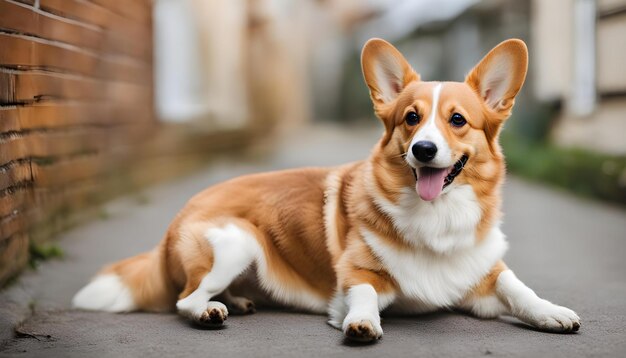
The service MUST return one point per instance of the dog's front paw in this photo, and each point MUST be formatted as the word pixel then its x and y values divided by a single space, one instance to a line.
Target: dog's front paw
pixel 362 329
pixel 214 315
pixel 550 317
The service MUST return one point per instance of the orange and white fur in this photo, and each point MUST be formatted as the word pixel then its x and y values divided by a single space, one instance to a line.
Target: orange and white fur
pixel 413 228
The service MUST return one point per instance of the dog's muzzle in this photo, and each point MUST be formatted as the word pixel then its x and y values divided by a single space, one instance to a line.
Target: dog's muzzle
pixel 456 170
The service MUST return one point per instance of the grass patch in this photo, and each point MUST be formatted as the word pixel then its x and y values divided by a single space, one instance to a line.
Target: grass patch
pixel 43 252
pixel 582 172
pixel 103 214
pixel 142 198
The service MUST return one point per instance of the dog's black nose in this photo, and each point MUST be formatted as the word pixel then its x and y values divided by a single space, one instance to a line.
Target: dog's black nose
pixel 424 151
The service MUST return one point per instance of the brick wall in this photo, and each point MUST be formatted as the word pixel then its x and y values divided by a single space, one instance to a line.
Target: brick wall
pixel 76 116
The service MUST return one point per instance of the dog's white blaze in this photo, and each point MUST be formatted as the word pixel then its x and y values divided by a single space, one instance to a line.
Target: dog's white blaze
pixel 234 250
pixel 430 123
pixel 434 279
pixel 105 293
pixel 524 304
pixel 431 132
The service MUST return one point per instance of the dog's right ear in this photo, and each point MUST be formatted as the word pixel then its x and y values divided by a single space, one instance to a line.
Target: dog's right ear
pixel 386 71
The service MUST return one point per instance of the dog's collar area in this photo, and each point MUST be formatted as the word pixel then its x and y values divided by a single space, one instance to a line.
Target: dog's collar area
pixel 456 170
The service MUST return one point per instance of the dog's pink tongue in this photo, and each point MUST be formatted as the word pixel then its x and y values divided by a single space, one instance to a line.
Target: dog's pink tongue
pixel 430 182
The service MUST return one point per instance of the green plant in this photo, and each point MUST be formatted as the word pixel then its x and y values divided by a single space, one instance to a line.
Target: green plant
pixel 43 252
pixel 580 171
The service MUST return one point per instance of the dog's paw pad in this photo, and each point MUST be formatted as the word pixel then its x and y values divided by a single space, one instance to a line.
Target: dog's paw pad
pixel 362 331
pixel 214 316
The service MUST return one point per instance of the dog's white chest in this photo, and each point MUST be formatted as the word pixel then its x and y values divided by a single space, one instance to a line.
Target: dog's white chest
pixel 444 225
pixel 446 260
pixel 438 280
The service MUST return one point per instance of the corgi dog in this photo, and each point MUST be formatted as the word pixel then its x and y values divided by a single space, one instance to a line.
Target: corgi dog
pixel 413 228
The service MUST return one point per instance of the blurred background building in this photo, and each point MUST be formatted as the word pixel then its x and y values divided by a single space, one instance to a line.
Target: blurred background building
pixel 580 52
pixel 297 61
pixel 101 97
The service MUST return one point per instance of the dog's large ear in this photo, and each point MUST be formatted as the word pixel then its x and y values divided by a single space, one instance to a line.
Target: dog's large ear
pixel 385 70
pixel 499 76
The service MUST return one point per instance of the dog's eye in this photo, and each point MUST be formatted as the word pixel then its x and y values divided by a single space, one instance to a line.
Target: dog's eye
pixel 457 120
pixel 412 118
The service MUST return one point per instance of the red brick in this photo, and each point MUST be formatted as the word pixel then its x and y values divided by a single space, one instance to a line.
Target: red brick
pixel 13 256
pixel 29 52
pixel 11 225
pixel 22 86
pixel 133 10
pixel 79 10
pixel 17 200
pixel 15 172
pixel 56 115
pixel 26 20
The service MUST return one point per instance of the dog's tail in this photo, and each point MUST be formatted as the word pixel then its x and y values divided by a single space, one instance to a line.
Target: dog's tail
pixel 139 283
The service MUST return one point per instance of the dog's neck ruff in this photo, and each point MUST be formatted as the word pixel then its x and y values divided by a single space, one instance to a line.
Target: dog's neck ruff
pixel 443 225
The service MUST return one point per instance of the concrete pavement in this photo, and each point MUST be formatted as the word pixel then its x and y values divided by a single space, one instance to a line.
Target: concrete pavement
pixel 571 251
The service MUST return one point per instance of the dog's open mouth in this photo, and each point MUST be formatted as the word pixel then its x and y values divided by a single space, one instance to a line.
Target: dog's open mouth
pixel 431 181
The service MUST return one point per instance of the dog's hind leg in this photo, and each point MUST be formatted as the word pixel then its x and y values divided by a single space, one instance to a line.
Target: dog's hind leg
pixel 212 257
pixel 236 304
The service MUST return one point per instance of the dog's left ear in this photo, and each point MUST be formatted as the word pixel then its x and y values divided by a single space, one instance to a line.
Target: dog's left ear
pixel 386 71
pixel 499 76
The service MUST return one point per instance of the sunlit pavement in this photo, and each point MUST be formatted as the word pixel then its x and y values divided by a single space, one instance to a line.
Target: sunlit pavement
pixel 571 251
